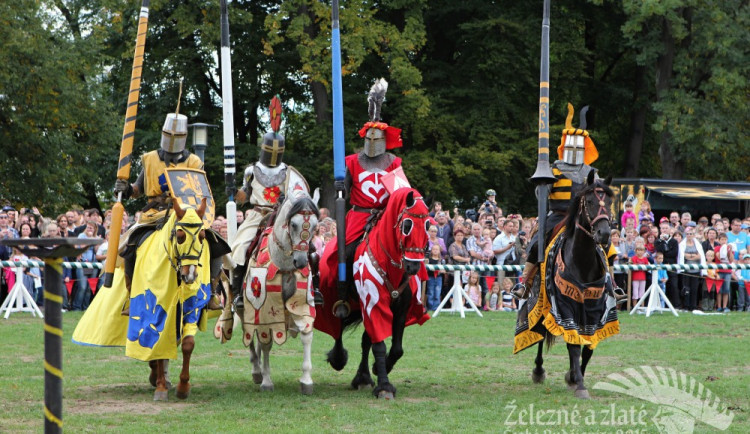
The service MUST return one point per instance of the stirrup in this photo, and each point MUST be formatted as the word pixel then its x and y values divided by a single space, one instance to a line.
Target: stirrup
pixel 619 295
pixel 347 309
pixel 126 308
pixel 520 291
pixel 214 303
pixel 238 304
pixel 318 298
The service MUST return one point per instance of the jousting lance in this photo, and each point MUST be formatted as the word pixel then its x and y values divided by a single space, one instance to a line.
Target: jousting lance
pixel 126 146
pixel 228 113
pixel 543 175
pixel 339 170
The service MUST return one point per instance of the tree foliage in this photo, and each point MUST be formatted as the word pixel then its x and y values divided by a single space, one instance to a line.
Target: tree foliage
pixel 666 82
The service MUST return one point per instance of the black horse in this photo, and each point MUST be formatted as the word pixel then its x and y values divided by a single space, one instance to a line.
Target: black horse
pixel 383 289
pixel 575 297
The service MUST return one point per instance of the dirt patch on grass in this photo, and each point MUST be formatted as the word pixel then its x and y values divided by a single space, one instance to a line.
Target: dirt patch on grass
pixel 109 406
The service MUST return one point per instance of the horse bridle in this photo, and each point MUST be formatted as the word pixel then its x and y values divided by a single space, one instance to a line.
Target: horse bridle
pixel 305 235
pixel 601 213
pixel 194 229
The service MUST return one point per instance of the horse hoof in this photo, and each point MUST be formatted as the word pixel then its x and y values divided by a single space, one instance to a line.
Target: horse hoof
pixel 306 389
pixel 183 392
pixel 538 378
pixel 265 388
pixel 387 395
pixel 582 394
pixel 257 378
pixel 161 395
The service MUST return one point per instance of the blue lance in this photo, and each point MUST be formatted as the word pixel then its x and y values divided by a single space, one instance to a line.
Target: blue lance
pixel 228 122
pixel 543 176
pixel 339 169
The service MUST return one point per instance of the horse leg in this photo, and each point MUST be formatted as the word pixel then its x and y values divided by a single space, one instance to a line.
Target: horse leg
pixel 585 357
pixel 384 389
pixel 363 379
pixel 338 356
pixel 305 382
pixel 161 392
pixel 574 375
pixel 267 384
pixel 402 304
pixel 537 374
pixel 183 387
pixel 255 361
pixel 153 375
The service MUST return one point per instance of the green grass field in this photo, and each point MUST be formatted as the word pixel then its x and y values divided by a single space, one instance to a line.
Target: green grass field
pixel 456 375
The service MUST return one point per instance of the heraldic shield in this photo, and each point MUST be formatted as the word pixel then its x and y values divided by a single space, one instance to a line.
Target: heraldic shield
pixel 189 187
pixel 255 286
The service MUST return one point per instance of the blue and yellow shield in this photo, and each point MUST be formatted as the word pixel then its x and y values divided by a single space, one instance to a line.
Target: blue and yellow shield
pixel 189 187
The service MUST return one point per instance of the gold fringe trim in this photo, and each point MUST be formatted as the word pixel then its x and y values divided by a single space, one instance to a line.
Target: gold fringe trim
pixel 541 311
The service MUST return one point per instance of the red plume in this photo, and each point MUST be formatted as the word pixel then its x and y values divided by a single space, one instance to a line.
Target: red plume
pixel 275 111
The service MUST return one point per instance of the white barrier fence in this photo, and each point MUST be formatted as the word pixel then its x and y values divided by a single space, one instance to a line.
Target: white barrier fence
pixel 19 298
pixel 655 303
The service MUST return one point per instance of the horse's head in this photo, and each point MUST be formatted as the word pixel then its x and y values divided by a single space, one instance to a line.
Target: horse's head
pixel 594 208
pixel 187 240
pixel 298 219
pixel 412 223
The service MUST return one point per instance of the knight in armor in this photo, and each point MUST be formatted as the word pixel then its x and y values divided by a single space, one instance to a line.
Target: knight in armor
pixel 363 183
pixel 578 153
pixel 266 183
pixel 152 183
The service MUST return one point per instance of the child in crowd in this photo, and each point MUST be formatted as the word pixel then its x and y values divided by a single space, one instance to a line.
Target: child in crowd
pixel 487 251
pixel 662 277
pixel 473 289
pixel 639 276
pixel 435 279
pixel 724 255
pixel 628 214
pixel 743 276
pixel 509 302
pixel 493 301
pixel 646 212
pixel 713 283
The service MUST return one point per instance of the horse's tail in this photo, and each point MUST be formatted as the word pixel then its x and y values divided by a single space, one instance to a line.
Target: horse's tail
pixel 338 355
pixel 549 339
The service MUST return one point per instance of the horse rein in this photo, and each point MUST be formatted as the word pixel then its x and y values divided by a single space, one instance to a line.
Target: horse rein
pixel 601 213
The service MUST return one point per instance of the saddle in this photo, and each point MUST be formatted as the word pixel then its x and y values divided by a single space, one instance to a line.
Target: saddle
pixel 267 222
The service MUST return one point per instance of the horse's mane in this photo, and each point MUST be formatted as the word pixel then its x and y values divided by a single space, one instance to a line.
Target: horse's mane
pixel 575 204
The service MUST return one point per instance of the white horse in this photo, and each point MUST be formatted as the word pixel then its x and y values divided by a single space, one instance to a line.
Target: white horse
pixel 277 291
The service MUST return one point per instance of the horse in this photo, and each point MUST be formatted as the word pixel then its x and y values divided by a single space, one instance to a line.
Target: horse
pixel 171 287
pixel 572 295
pixel 277 291
pixel 389 259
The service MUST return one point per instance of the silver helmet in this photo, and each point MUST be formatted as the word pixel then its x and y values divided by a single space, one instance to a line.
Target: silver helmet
pixel 174 133
pixel 574 147
pixel 374 142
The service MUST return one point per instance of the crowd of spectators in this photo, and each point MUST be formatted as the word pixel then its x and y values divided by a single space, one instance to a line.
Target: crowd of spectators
pixel 81 283
pixel 485 236
pixel 489 237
